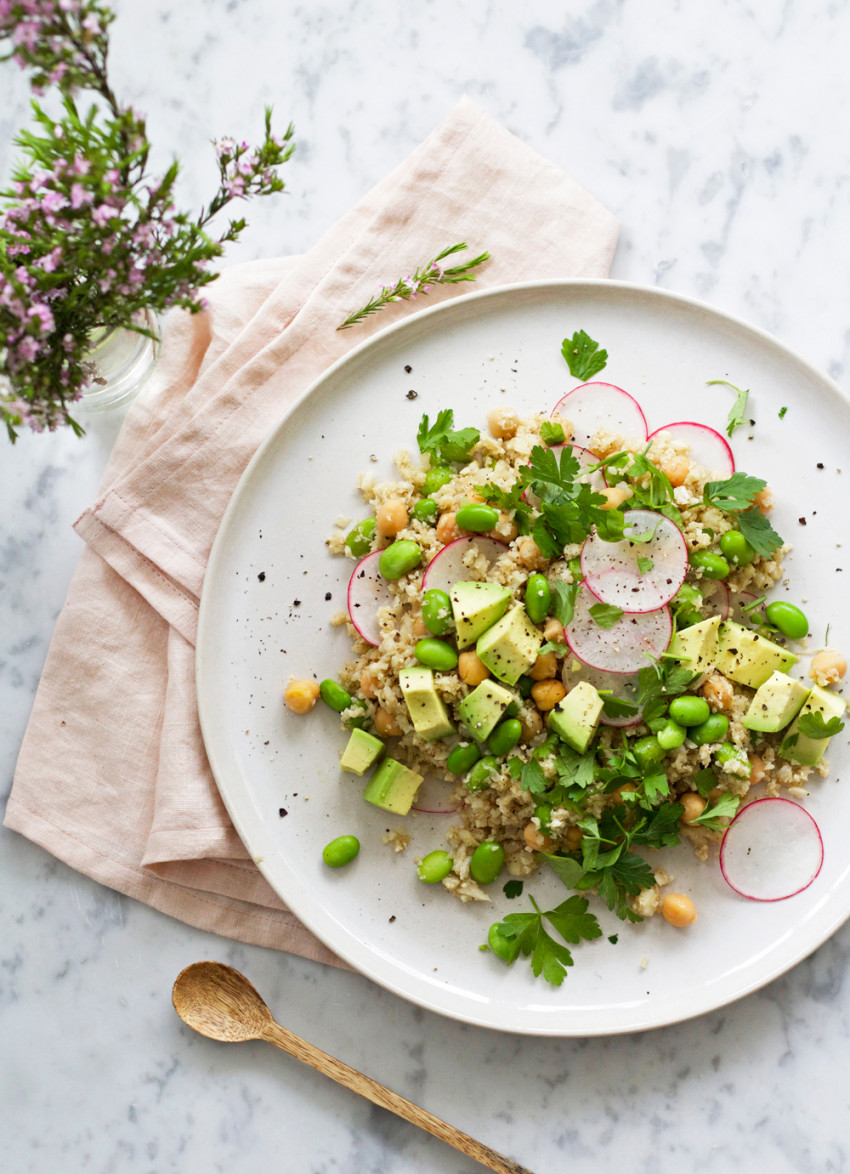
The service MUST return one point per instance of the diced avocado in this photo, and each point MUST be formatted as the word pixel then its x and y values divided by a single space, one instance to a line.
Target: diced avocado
pixel 576 718
pixel 776 703
pixel 427 709
pixel 393 786
pixel 361 752
pixel 799 747
pixel 476 607
pixel 510 647
pixel 749 658
pixel 697 645
pixel 481 709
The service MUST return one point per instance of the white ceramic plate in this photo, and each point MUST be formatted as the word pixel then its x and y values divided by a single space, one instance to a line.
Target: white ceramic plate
pixel 272 587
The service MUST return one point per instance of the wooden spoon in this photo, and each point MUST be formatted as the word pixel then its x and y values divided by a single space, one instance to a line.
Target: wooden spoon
pixel 219 1002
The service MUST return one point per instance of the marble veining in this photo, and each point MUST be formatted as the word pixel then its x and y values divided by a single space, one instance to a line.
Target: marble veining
pixel 717 135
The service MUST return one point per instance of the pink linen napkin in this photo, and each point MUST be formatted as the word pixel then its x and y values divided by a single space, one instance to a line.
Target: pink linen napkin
pixel 112 776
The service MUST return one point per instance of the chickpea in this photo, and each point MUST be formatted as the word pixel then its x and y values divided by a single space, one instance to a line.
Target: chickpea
pixel 547 694
pixel 678 909
pixel 471 668
pixel 447 528
pixel 764 500
pixel 506 528
pixel 530 555
pixel 553 631
pixel 386 723
pixel 718 693
pixel 391 517
pixel 694 805
pixel 419 630
pixel 827 667
pixel 677 470
pixel 536 840
pixel 503 423
pixel 615 495
pixel 573 837
pixel 301 696
pixel 544 667
pixel 369 682
pixel 757 769
pixel 531 722
pixel 625 789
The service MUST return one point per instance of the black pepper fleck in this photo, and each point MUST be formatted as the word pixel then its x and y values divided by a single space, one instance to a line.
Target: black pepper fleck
pixel 282 812
pixel 392 919
pixel 262 576
pixel 328 595
pixel 407 368
pixel 296 603
pixel 413 394
pixel 820 464
pixel 802 521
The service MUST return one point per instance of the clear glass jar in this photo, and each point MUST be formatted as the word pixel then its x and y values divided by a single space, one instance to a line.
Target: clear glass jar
pixel 123 362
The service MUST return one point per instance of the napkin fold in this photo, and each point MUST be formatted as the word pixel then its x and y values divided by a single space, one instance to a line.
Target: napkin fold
pixel 112 777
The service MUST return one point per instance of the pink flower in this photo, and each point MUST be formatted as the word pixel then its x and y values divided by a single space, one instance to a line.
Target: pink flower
pixel 102 214
pixel 79 195
pixel 53 201
pixel 27 349
pixel 44 316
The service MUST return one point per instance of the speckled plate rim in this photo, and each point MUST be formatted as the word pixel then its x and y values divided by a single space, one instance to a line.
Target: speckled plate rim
pixel 821 920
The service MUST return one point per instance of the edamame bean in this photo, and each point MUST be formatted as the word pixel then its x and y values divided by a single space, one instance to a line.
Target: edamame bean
pixel 434 867
pixel 538 596
pixel 671 735
pixel 359 539
pixel 690 710
pixel 462 758
pixel 648 751
pixel 486 862
pixel 357 721
pixel 713 729
pixel 687 617
pixel 788 618
pixel 525 684
pixel 398 558
pixel 334 696
pixel 437 611
pixel 479 777
pixel 736 549
pixel 544 814
pixel 425 511
pixel 713 566
pixel 477 517
pixel 340 851
pixel 435 654
pixel 688 595
pixel 732 759
pixel 436 478
pixel 505 736
pixel 504 948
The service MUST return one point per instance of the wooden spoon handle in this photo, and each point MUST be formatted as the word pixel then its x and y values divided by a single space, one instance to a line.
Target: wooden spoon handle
pixel 379 1095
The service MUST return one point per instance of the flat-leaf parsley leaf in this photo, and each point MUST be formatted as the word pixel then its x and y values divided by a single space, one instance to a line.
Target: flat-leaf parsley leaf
pixel 584 356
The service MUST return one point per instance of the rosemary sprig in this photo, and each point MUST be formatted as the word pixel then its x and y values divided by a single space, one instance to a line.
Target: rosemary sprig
pixel 419 282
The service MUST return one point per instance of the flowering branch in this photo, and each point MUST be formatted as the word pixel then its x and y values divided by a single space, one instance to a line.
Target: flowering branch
pixel 89 240
pixel 419 282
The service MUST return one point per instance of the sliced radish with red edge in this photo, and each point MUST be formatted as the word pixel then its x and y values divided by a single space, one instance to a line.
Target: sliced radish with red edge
pixel 368 591
pixel 771 850
pixel 592 407
pixel 624 686
pixel 433 797
pixel 627 646
pixel 716 598
pixel 612 570
pixel 707 448
pixel 448 567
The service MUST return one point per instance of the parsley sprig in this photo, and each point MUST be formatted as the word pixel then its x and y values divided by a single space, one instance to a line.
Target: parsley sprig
pixel 738 411
pixel 737 495
pixel 583 355
pixel 529 936
pixel 442 442
pixel 569 508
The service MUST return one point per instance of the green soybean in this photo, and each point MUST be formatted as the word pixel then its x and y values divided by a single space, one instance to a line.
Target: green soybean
pixel 479 777
pixel 648 751
pixel 504 948
pixel 525 685
pixel 505 736
pixel 687 617
pixel 357 721
pixel 728 756
pixel 688 595
pixel 671 735
pixel 477 517
pixel 340 851
pixel 788 618
pixel 434 867
pixel 689 711
pixel 462 758
pixel 435 654
pixel 334 696
pixel 734 546
pixel 437 611
pixel 538 597
pixel 425 511
pixel 713 566
pixel 436 478
pixel 398 558
pixel 713 729
pixel 359 540
pixel 486 862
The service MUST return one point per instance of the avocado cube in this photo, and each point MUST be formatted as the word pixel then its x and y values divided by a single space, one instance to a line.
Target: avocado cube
pixel 748 657
pixel 362 751
pixel 799 747
pixel 427 709
pixel 697 645
pixel 393 787
pixel 476 607
pixel 576 719
pixel 776 703
pixel 481 710
pixel 510 647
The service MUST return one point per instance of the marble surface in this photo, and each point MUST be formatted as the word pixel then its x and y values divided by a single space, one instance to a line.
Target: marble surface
pixel 717 135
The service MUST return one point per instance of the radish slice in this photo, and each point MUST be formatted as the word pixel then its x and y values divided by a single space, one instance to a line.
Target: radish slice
pixel 707 447
pixel 625 647
pixel 740 610
pixel 591 407
pixel 621 685
pixel 771 850
pixel 432 798
pixel 716 598
pixel 368 590
pixel 451 565
pixel 612 572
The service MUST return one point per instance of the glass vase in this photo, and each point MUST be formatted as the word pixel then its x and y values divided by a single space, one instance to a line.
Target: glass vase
pixel 123 362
